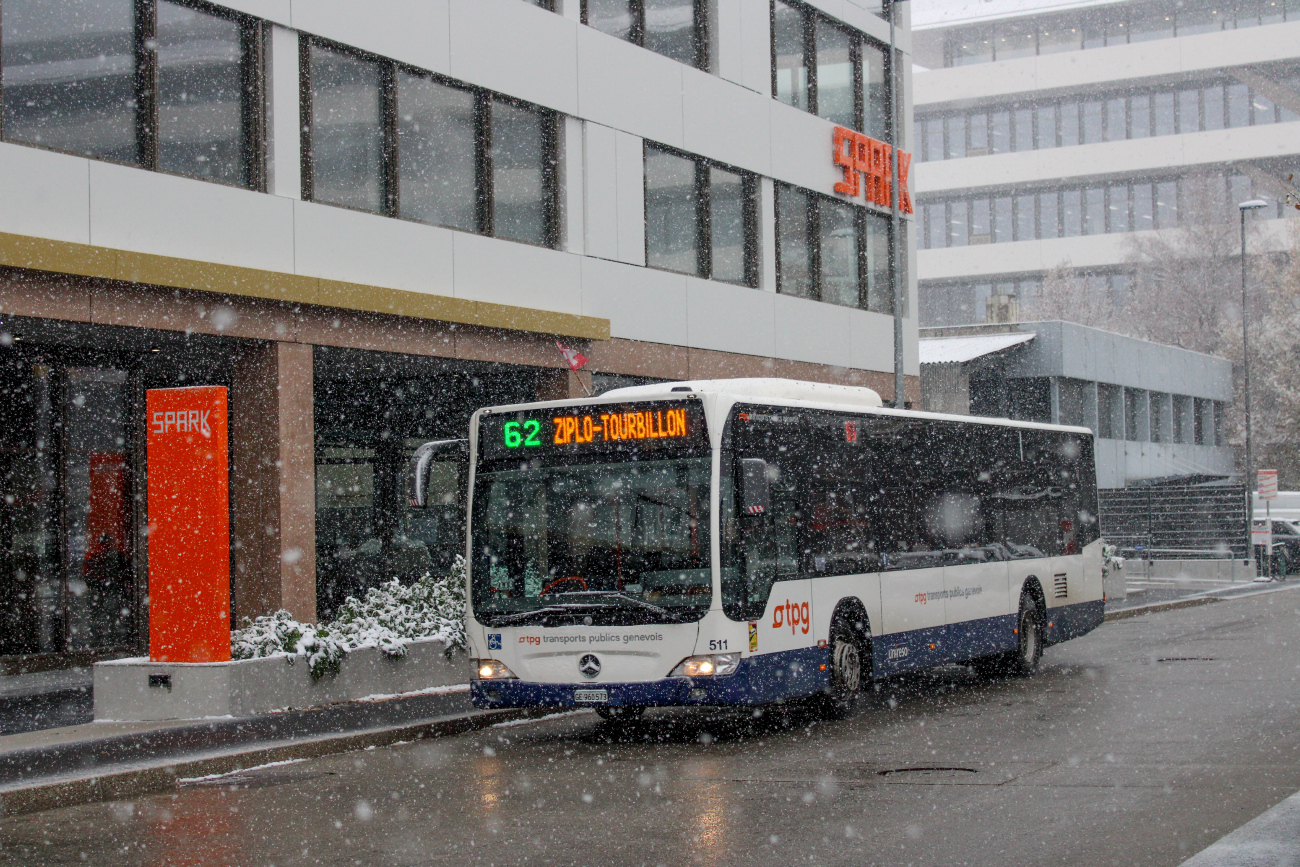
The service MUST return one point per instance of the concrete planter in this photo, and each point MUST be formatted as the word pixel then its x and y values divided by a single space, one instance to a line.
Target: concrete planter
pixel 137 689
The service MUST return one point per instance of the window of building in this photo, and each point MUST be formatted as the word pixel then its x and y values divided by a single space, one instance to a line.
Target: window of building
pixel 1102 27
pixel 1026 218
pixel 348 165
pixel 381 137
pixel 1159 111
pixel 821 66
pixel 673 28
pixel 700 217
pixel 830 250
pixel 154 83
pixel 437 136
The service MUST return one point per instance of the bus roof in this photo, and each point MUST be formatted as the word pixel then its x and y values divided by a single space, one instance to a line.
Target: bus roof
pixel 789 392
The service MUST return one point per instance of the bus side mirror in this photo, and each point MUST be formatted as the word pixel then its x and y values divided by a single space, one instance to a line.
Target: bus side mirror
pixel 429 469
pixel 755 487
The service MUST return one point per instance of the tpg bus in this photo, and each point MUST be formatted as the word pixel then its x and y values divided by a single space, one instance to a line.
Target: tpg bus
pixel 748 541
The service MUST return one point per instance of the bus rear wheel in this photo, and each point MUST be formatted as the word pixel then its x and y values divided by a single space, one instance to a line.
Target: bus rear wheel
pixel 620 714
pixel 1029 648
pixel 847 668
pixel 1023 661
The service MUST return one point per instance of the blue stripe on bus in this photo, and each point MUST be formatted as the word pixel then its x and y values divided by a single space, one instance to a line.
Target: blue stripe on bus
pixel 770 677
pixel 1071 621
pixel 758 680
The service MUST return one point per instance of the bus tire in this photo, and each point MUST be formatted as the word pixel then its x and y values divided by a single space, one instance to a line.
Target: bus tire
pixel 1029 633
pixel 627 713
pixel 848 667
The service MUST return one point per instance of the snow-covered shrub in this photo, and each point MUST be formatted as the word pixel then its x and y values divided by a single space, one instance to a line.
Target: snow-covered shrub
pixel 394 613
pixel 279 634
pixel 1110 560
pixel 389 617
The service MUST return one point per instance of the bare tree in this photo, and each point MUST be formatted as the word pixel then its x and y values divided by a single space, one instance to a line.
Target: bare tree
pixel 1186 283
pixel 1066 295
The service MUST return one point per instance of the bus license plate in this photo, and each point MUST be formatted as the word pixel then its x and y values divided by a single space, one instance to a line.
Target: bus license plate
pixel 594 695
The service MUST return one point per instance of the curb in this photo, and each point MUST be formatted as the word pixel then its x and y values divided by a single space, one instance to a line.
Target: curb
pixel 1157 607
pixel 164 775
pixel 1193 601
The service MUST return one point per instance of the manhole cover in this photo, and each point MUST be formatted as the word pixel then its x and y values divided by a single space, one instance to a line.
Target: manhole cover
pixel 932 771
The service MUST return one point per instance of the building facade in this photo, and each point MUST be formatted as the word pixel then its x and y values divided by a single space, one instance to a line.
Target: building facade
pixel 367 220
pixel 1050 133
pixel 1157 411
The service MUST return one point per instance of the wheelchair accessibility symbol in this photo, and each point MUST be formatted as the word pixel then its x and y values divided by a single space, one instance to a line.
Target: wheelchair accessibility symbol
pixel 494 641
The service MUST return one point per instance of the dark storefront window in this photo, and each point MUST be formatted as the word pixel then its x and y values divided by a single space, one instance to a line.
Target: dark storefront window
pixel 699 218
pixel 372 410
pixel 66 575
pixel 673 28
pixel 383 138
pixel 146 82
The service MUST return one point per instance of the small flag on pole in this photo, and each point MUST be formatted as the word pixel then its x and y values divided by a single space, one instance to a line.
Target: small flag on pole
pixel 575 358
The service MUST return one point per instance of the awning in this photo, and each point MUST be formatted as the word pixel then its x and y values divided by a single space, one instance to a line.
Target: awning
pixel 958 350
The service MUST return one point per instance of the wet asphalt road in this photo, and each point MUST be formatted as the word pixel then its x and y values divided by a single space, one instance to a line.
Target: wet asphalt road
pixel 1139 744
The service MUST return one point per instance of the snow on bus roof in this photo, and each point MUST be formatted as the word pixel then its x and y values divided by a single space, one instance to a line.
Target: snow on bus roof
pixel 785 392
pixel 766 388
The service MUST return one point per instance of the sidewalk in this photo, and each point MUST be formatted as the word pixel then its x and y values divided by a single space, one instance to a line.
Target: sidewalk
pixel 45 699
pixel 78 764
pixel 1268 840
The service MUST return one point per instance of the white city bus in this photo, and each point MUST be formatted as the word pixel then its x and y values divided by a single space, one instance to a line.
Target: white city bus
pixel 748 541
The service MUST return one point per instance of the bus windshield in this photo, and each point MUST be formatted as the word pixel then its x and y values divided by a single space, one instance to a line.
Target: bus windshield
pixel 612 543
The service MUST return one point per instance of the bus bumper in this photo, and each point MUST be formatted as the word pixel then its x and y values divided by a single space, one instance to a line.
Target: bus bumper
pixel 758 680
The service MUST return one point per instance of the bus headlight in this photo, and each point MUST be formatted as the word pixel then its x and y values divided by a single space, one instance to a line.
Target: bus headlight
pixel 491 669
pixel 708 665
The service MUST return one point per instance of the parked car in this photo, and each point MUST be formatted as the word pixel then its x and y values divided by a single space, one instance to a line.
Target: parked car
pixel 1286 546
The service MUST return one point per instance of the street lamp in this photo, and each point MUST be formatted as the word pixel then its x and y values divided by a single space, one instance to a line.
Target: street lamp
pixel 895 223
pixel 1250 205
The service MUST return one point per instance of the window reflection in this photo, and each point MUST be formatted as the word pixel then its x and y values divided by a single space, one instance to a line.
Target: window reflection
pixel 436 144
pixel 519 185
pixel 839 249
pixel 610 16
pixel 789 55
pixel 670 29
pixel 69 76
pixel 347 130
pixel 793 243
pixel 727 222
pixel 200 95
pixel 672 212
pixel 836 74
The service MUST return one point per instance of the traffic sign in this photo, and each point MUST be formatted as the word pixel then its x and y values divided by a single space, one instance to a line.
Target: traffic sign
pixel 1267 484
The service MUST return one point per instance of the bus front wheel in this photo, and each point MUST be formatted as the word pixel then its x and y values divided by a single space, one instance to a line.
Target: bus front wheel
pixel 846 672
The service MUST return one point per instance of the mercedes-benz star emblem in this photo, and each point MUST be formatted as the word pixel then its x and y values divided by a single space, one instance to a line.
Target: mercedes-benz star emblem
pixel 589 665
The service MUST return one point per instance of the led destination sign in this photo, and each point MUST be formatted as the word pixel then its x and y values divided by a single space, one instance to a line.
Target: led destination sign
pixel 617 426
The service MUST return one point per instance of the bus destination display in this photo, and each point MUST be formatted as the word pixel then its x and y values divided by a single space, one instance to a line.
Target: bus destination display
pixel 594 428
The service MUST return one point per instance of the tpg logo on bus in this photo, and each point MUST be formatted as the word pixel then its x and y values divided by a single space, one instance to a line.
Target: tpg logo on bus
pixel 793 613
pixel 182 421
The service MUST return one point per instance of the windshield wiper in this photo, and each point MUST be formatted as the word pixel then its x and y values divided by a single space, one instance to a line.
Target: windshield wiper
pixel 623 597
pixel 583 607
